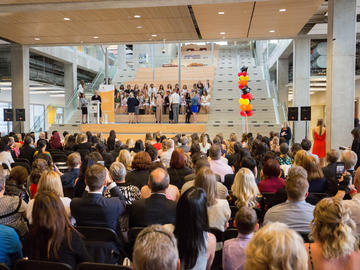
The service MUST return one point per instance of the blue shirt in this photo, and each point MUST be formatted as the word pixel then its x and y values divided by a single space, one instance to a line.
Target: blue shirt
pixel 10 248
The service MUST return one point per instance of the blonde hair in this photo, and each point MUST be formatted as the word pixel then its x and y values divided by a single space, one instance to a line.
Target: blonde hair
pixel 206 179
pixel 125 158
pixel 333 228
pixel 275 246
pixel 275 144
pixel 231 148
pixel 130 143
pixel 312 168
pixel 50 181
pixel 300 156
pixel 245 188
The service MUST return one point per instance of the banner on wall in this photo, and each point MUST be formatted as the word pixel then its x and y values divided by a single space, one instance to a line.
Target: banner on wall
pixel 107 102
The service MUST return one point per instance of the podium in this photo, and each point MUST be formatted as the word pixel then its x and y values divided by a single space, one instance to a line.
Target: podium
pixel 94 112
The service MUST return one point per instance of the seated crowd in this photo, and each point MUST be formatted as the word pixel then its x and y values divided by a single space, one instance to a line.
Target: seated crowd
pixel 186 202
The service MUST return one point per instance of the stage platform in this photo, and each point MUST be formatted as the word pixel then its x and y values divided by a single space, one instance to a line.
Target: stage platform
pixel 137 131
pixel 150 118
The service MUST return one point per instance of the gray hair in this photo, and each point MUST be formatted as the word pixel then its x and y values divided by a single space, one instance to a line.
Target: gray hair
pixel 155 248
pixel 117 171
pixel 184 140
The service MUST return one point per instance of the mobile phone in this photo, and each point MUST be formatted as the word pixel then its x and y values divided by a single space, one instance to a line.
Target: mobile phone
pixel 340 168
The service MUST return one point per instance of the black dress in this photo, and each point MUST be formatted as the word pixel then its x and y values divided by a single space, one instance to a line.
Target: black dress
pixel 99 99
pixel 287 134
pixel 132 103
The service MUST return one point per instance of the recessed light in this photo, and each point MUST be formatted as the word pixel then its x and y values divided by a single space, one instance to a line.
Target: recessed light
pixel 222 33
pixel 272 31
pixel 221 12
pixel 139 27
pixel 137 16
pixel 96 37
pixel 67 19
pixel 154 35
pixel 81 41
pixel 37 38
pixel 282 10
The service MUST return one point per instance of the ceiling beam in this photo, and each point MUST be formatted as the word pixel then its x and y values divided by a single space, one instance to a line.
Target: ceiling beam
pixel 108 4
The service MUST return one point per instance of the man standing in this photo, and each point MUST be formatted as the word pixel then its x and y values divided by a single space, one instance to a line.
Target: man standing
pixel 97 97
pixel 174 105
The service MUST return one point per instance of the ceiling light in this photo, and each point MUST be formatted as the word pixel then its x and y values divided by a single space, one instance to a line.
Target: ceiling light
pixel 96 37
pixel 221 12
pixel 272 31
pixel 222 33
pixel 139 27
pixel 154 35
pixel 137 16
pixel 67 19
pixel 282 10
pixel 37 38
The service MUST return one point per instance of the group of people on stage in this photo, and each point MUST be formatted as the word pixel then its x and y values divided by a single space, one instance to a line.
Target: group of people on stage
pixel 170 100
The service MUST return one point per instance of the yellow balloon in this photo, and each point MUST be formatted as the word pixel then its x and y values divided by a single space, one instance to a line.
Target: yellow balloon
pixel 242 77
pixel 240 100
pixel 247 78
pixel 246 102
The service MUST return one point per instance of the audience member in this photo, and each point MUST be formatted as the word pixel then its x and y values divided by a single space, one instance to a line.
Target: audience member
pixel 317 181
pixel 140 173
pixel 69 177
pixel 165 156
pixel 93 209
pixel 234 249
pixel 51 236
pixel 49 181
pixel 152 151
pixel 275 246
pixel 271 181
pixel 217 165
pixel 195 244
pixel 350 159
pixel 295 212
pixel 38 167
pixel 306 145
pixel 10 248
pixel 15 185
pixel 329 172
pixel 335 243
pixel 156 248
pixel 27 150
pixel 184 144
pixel 5 155
pixel 125 158
pixel 244 189
pixel 218 209
pixel 156 209
pixel 178 169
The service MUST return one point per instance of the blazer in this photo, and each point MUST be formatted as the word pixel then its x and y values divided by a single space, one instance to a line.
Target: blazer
pixel 27 152
pixel 68 178
pixel 156 209
pixel 137 178
pixel 93 209
pixel 177 176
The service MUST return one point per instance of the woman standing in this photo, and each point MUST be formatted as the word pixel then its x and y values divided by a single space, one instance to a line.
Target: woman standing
pixel 84 110
pixel 117 101
pixel 158 107
pixel 319 148
pixel 285 132
pixel 195 244
pixel 147 103
pixel 132 102
pixel 187 107
pixel 194 105
pixel 124 99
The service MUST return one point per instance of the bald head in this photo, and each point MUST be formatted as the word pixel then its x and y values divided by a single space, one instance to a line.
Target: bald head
pixel 159 180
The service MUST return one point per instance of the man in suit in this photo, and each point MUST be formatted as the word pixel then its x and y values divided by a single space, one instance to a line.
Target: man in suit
pixel 27 150
pixel 93 209
pixel 156 209
pixel 69 177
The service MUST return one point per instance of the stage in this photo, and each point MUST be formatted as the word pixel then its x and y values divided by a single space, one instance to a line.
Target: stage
pixel 138 131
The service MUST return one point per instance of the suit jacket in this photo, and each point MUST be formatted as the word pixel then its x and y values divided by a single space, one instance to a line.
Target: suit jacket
pixel 330 175
pixel 93 209
pixel 68 178
pixel 156 209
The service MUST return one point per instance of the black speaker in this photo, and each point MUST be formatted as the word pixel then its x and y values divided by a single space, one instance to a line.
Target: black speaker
pixel 20 114
pixel 305 113
pixel 293 113
pixel 8 115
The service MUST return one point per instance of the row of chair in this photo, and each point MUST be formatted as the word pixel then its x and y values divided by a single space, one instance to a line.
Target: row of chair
pixel 48 265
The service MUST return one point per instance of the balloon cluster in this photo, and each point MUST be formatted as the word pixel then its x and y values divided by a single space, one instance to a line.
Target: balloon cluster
pixel 246 97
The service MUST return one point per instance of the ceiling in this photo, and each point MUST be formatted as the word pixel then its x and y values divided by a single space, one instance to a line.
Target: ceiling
pixel 41 22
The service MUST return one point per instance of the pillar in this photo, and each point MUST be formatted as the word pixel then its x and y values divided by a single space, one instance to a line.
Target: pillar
pixel 301 83
pixel 282 79
pixel 122 56
pixel 340 72
pixel 20 85
pixel 179 63
pixel 70 80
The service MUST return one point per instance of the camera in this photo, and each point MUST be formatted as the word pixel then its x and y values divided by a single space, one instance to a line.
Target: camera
pixel 163 51
pixel 340 168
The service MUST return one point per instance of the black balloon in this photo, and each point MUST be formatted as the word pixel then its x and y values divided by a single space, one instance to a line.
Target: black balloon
pixel 244 69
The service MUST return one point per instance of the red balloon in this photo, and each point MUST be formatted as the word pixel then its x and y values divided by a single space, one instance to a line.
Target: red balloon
pixel 249 113
pixel 244 74
pixel 244 96
pixel 243 114
pixel 239 74
pixel 241 86
pixel 250 96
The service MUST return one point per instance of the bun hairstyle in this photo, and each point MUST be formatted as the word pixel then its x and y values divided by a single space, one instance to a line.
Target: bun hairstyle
pixel 334 229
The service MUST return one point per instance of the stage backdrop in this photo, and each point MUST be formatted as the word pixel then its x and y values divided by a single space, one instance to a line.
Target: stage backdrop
pixel 107 102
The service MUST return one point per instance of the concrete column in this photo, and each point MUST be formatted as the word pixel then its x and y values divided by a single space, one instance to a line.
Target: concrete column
pixel 179 63
pixel 122 56
pixel 20 85
pixel 340 92
pixel 282 79
pixel 70 80
pixel 301 83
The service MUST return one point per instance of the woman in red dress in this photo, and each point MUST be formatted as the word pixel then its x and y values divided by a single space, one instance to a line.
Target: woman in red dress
pixel 319 147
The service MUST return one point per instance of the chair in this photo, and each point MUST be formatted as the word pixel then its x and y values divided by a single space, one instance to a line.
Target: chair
pixel 101 266
pixel 132 234
pixel 22 160
pixel 40 265
pixel 102 244
pixel 22 164
pixel 219 235
pixel 313 198
pixel 230 233
pixel 59 157
pixel 4 267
